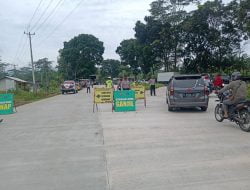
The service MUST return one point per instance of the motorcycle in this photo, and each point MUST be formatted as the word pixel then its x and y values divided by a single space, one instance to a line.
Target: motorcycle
pixel 238 113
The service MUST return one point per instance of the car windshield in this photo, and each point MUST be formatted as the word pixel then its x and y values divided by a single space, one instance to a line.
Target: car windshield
pixel 188 82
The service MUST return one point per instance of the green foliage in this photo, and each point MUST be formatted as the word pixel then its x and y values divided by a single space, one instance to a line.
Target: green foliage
pixel 110 67
pixel 208 39
pixel 23 97
pixel 80 56
pixel 147 86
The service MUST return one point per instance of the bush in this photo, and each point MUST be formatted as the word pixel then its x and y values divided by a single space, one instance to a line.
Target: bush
pixel 22 97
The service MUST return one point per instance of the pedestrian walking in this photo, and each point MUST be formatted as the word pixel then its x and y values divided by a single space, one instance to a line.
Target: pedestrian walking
pixel 125 84
pixel 152 82
pixel 1 120
pixel 88 87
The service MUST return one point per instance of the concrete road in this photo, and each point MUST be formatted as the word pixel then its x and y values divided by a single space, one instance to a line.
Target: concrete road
pixel 53 144
pixel 60 144
pixel 153 149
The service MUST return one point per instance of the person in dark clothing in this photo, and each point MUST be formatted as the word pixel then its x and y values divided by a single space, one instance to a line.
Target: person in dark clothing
pixel 125 84
pixel 1 120
pixel 152 82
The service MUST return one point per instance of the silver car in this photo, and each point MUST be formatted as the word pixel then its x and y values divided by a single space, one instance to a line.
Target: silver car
pixel 187 91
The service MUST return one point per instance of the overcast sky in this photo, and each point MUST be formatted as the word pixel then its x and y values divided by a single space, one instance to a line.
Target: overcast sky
pixel 109 20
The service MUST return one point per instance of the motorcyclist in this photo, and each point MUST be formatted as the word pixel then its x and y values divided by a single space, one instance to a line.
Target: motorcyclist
pixel 239 92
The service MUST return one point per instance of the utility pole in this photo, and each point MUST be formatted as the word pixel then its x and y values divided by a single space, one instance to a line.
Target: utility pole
pixel 32 62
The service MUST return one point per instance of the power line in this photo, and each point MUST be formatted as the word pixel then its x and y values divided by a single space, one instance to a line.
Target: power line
pixel 41 16
pixel 51 13
pixel 38 6
pixel 18 48
pixel 22 37
pixel 64 19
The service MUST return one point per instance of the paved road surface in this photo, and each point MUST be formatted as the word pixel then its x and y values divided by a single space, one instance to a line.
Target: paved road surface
pixel 54 144
pixel 58 144
pixel 153 149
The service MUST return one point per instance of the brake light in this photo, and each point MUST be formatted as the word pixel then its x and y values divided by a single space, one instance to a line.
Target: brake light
pixel 206 91
pixel 171 91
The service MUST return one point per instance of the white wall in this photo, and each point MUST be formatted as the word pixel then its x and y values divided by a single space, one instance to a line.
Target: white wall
pixel 7 84
pixel 3 85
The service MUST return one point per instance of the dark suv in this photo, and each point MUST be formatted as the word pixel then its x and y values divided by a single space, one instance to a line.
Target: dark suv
pixel 186 91
pixel 69 86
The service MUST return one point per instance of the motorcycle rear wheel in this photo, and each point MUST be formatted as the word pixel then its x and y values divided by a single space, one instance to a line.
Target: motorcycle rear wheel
pixel 245 118
pixel 218 113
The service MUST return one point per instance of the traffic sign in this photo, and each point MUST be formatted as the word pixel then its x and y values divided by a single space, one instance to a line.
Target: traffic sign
pixel 139 92
pixel 6 104
pixel 103 95
pixel 124 100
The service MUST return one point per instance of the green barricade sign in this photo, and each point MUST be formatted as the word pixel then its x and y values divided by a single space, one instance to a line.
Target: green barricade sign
pixel 6 104
pixel 124 100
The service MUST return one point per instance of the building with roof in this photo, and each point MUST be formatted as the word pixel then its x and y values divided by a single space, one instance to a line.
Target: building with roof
pixel 13 83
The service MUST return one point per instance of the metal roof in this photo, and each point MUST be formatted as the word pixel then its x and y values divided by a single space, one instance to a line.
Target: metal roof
pixel 15 79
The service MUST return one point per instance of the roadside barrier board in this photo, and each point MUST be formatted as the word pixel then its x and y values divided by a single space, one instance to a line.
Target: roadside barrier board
pixel 103 96
pixel 6 104
pixel 140 93
pixel 124 101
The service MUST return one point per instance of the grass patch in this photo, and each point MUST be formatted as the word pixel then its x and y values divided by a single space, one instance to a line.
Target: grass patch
pixel 23 97
pixel 147 86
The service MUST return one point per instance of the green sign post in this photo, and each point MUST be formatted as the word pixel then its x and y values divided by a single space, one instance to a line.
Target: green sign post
pixel 6 104
pixel 124 100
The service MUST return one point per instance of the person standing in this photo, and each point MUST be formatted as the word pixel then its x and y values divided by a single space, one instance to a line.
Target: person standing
pixel 88 87
pixel 152 82
pixel 109 83
pixel 119 85
pixel 1 120
pixel 125 84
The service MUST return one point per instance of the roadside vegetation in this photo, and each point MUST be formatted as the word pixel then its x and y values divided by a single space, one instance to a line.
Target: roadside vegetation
pixel 23 97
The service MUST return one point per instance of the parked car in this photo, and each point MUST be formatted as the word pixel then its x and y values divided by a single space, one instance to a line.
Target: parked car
pixel 186 91
pixel 69 86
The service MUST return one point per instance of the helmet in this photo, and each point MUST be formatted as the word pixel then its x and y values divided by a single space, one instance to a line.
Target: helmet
pixel 236 75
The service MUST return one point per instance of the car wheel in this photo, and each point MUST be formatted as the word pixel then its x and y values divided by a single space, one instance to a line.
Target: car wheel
pixel 203 108
pixel 170 108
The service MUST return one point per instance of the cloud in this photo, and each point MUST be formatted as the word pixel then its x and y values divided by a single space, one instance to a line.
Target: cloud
pixel 109 20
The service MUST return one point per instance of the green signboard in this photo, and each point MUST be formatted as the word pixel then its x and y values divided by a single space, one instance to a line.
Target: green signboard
pixel 6 104
pixel 124 100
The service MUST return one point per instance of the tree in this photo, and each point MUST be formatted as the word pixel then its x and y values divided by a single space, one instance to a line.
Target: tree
pixel 80 56
pixel 110 67
pixel 128 51
pixel 44 69
pixel 3 67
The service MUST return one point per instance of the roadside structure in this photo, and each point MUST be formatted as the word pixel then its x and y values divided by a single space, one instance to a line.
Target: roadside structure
pixel 13 83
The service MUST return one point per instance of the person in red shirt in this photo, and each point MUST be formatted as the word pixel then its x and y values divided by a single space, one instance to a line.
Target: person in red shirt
pixel 218 82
